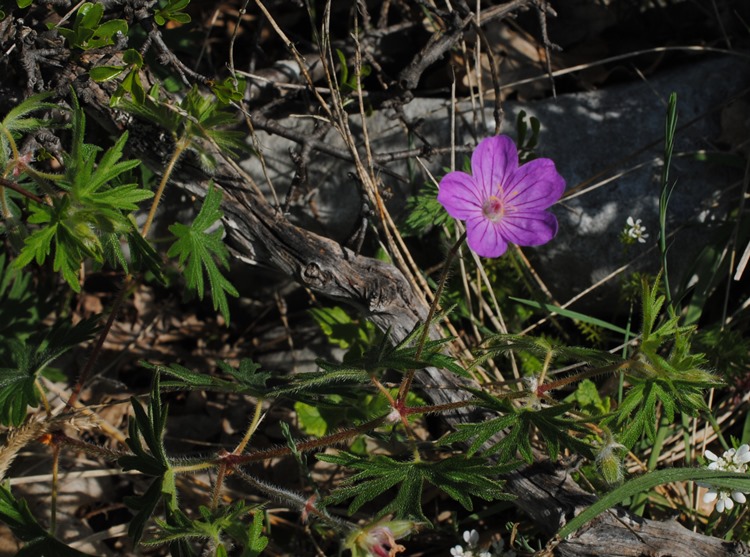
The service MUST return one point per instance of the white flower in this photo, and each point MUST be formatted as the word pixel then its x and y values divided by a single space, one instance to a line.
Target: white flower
pixel 458 551
pixel 733 460
pixel 471 538
pixel 636 230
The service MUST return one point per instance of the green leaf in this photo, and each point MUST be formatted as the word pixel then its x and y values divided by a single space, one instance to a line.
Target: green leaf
pixel 94 203
pixel 38 542
pixel 198 250
pixel 29 359
pixel 105 73
pixel 571 315
pixel 149 427
pixel 731 481
pixel 460 478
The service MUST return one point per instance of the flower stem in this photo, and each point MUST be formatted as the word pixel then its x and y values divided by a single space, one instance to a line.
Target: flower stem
pixel 409 375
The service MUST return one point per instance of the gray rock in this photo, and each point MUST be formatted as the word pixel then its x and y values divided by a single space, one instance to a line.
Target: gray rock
pixel 608 144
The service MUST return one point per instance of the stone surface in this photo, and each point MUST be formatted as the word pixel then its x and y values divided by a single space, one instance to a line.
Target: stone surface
pixel 608 144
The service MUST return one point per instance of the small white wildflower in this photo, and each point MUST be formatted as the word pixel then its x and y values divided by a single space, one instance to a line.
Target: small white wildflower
pixel 636 230
pixel 733 460
pixel 471 538
pixel 458 551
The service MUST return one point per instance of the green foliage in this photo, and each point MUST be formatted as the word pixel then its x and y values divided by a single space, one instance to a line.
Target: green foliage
pixel 37 541
pixel 195 118
pixel 676 380
pixel 342 330
pixel 131 83
pixel 28 359
pixel 93 203
pixel 21 306
pixel 215 526
pixel 149 427
pixel 379 357
pixel 88 32
pixel 550 423
pixel 198 249
pixel 461 478
pixel 588 399
pixel 424 211
pixel 248 379
pixel 172 11
pixel 18 122
pixel 731 481
pixel 348 80
pixel 232 89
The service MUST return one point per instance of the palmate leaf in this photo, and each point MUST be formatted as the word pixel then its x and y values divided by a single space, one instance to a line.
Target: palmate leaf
pixel 17 516
pixel 550 423
pixel 17 121
pixel 93 205
pixel 248 378
pixel 198 250
pixel 459 477
pixel 149 426
pixel 216 525
pixel 28 359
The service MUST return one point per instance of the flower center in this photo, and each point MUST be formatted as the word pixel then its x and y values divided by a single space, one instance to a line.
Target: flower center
pixel 493 208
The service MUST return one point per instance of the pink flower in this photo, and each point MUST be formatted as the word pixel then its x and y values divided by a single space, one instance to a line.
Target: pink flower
pixel 379 539
pixel 500 201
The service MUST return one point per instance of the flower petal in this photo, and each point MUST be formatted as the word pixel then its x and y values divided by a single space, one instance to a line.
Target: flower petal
pixel 535 185
pixel 484 237
pixel 531 228
pixel 710 496
pixel 460 195
pixel 743 454
pixel 494 162
pixel 710 455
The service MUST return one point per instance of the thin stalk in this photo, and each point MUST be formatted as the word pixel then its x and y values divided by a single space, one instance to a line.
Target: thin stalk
pixel 43 397
pixel 5 183
pixel 53 495
pixel 179 149
pixel 91 362
pixel 409 375
pixel 251 428
pixel 666 192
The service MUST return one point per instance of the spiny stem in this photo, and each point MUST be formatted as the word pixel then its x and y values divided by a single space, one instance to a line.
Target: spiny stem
pixel 409 375
pixel 217 486
pixel 59 439
pixel 297 501
pixel 332 439
pixel 583 375
pixel 18 189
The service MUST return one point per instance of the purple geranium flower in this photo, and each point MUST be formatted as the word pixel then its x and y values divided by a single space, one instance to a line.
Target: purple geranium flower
pixel 502 202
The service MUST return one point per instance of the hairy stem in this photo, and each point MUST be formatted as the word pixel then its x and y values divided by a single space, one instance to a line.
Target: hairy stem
pixel 409 375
